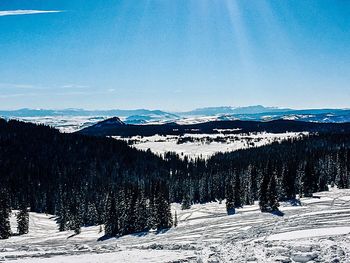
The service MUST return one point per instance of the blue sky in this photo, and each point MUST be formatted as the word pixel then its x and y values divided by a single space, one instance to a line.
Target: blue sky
pixel 174 54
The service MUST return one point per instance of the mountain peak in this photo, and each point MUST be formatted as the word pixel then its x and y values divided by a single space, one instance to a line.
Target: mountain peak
pixel 114 121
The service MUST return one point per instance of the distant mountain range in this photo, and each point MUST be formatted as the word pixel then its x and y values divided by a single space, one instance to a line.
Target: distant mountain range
pixel 231 110
pixel 80 112
pixel 137 116
pixel 144 116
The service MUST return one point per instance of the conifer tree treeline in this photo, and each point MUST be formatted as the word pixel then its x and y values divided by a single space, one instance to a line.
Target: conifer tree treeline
pixel 5 210
pixel 23 219
pixel 94 180
pixel 271 173
pixel 71 176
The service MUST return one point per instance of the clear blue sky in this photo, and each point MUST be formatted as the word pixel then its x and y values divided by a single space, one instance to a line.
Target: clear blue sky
pixel 174 54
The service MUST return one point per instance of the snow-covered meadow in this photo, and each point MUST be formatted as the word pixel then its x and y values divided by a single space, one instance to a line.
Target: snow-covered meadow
pixel 206 145
pixel 316 230
pixel 65 124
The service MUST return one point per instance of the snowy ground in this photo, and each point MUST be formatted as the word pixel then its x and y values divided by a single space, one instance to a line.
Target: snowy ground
pixel 64 123
pixel 316 231
pixel 205 145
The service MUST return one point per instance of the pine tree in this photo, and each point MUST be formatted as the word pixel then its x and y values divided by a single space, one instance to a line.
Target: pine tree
pixel 299 179
pixel 289 179
pixel 249 196
pixel 230 203
pixel 163 209
pixel 152 214
pixel 23 220
pixel 91 215
pixel 125 212
pixel 111 217
pixel 186 202
pixel 5 228
pixel 175 219
pixel 62 220
pixel 203 189
pixel 254 185
pixel 308 180
pixel 75 214
pixel 263 199
pixel 76 221
pixel 141 213
pixel 129 216
pixel 237 191
pixel 273 195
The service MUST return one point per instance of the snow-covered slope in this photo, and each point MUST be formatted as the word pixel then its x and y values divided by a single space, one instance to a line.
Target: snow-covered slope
pixel 317 230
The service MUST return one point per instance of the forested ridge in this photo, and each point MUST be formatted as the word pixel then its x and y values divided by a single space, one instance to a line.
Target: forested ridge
pixel 115 127
pixel 93 180
pixel 78 177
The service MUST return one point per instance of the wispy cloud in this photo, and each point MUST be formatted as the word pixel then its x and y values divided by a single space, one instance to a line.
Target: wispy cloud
pixel 21 86
pixel 16 95
pixel 73 86
pixel 15 85
pixel 26 12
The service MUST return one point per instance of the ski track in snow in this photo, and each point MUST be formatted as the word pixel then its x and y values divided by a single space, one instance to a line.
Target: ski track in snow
pixel 316 231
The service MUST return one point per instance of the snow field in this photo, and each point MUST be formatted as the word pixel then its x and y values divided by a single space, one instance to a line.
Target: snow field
pixel 202 146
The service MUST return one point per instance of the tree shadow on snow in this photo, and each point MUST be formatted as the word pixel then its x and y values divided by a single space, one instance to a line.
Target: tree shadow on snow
pixel 106 237
pixel 231 211
pixel 73 235
pixel 162 231
pixel 294 202
pixel 140 234
pixel 277 213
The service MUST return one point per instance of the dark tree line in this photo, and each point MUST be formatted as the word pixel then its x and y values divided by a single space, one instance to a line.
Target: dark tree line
pixel 71 176
pixel 269 174
pixel 129 211
pixel 94 180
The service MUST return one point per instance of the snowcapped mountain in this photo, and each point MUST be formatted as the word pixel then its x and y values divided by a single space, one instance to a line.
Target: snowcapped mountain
pixel 154 116
pixel 319 115
pixel 226 110
pixel 261 113
pixel 70 120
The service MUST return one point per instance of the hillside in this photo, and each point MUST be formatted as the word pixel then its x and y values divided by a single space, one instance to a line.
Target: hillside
pixel 318 229
pixel 212 127
pixel 76 183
